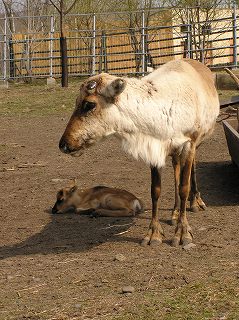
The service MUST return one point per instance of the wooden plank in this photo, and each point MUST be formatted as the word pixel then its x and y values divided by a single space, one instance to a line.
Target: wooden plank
pixel 232 137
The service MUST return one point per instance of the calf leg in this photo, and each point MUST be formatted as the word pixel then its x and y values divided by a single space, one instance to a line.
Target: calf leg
pixel 155 232
pixel 176 209
pixel 196 201
pixel 183 232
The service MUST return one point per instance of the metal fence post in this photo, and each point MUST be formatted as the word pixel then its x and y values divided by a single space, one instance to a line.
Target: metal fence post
pixel 189 35
pixel 189 41
pixel 51 45
pixel 94 45
pixel 5 49
pixel 103 53
pixel 202 53
pixel 143 43
pixel 234 32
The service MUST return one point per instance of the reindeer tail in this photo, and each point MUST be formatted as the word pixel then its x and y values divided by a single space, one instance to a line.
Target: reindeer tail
pixel 138 206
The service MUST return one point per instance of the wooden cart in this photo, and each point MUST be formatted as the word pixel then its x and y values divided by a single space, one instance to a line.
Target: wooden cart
pixel 232 136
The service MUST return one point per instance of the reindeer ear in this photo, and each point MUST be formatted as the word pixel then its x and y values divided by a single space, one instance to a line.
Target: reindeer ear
pixel 115 88
pixel 73 189
pixel 72 183
pixel 118 86
pixel 60 194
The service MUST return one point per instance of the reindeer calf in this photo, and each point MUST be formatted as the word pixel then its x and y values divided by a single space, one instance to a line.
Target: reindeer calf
pixel 99 201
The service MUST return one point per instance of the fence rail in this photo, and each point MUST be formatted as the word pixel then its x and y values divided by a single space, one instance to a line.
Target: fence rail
pixel 109 43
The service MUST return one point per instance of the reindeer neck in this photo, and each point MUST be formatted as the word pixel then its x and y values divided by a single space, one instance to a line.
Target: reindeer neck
pixel 139 106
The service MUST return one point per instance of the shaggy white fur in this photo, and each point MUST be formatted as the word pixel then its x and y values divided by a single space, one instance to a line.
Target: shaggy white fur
pixel 158 115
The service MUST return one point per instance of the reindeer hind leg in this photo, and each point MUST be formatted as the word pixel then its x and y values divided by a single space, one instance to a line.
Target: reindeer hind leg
pixel 183 232
pixel 196 201
pixel 176 209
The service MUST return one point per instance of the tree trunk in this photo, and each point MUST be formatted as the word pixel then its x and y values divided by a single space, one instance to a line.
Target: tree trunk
pixel 63 49
pixel 11 58
pixel 64 62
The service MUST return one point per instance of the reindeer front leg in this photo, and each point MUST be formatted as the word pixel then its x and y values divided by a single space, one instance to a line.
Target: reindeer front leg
pixel 183 232
pixel 154 235
pixel 176 169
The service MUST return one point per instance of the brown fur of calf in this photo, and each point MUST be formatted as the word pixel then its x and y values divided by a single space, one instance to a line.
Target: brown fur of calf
pixel 98 201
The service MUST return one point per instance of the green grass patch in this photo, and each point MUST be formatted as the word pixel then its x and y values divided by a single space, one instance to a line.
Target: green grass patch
pixel 38 99
pixel 224 94
pixel 200 301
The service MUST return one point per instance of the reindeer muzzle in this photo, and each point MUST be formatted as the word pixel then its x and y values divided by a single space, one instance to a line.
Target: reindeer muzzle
pixel 65 147
pixel 54 210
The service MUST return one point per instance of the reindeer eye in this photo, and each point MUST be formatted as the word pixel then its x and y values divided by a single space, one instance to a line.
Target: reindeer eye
pixel 59 194
pixel 91 85
pixel 87 106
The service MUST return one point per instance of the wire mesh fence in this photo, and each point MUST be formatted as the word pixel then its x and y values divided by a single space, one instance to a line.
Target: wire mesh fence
pixel 119 43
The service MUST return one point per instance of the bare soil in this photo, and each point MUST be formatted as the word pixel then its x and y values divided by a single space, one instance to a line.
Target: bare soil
pixel 64 267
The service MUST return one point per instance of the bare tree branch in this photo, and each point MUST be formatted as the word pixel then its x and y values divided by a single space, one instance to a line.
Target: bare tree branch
pixel 71 7
pixel 52 2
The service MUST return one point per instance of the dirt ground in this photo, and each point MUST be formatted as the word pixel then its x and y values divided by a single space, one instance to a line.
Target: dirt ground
pixel 64 267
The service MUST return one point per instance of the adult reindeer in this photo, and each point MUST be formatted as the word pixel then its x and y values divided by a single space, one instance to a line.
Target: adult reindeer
pixel 169 112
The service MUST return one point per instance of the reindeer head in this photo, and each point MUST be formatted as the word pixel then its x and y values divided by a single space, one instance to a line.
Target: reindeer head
pixel 65 200
pixel 91 119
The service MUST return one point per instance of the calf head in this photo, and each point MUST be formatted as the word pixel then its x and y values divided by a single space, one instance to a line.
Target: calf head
pixel 93 117
pixel 65 200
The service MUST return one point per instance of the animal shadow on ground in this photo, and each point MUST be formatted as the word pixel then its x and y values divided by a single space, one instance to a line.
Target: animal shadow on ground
pixel 219 186
pixel 70 233
pixel 218 183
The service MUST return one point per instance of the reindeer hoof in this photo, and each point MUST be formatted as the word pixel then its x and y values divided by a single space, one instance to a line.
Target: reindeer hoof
pixel 197 204
pixel 198 207
pixel 186 242
pixel 175 242
pixel 183 235
pixel 154 235
pixel 152 243
pixel 155 242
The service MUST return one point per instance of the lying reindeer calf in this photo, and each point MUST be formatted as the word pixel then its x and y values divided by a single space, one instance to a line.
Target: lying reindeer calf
pixel 98 201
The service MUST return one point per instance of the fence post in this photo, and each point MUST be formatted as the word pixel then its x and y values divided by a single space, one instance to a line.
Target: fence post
pixel 143 43
pixel 102 62
pixel 94 45
pixel 5 50
pixel 104 51
pixel 189 41
pixel 202 53
pixel 234 31
pixel 51 45
pixel 189 35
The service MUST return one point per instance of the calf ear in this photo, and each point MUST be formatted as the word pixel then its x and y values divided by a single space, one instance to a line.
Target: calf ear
pixel 73 189
pixel 60 194
pixel 115 88
pixel 73 182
